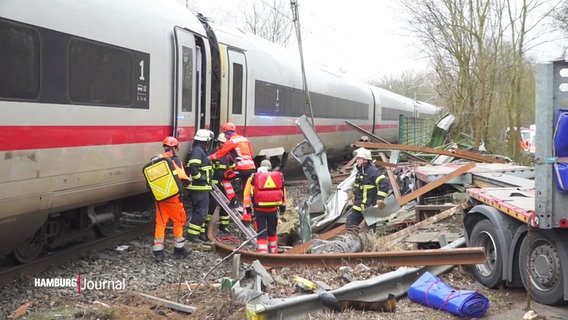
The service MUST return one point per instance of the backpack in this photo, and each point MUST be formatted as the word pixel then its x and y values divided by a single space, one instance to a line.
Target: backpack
pixel 268 189
pixel 162 179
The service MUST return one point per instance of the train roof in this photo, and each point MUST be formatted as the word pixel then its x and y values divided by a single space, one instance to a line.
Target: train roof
pixel 284 64
pixel 125 22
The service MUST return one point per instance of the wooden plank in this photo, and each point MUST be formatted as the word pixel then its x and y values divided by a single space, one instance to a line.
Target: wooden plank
pixel 379 163
pixel 434 184
pixel 392 178
pixel 377 138
pixel 413 228
pixel 430 207
pixel 348 165
pixel 426 237
pixel 168 303
pixel 324 236
pixel 458 153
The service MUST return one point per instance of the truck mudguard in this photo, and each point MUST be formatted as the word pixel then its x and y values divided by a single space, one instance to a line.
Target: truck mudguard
pixel 561 150
pixel 162 178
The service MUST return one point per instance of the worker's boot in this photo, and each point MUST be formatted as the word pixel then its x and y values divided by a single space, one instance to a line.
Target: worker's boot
pixel 182 252
pixel 223 230
pixel 203 237
pixel 233 203
pixel 159 255
pixel 194 239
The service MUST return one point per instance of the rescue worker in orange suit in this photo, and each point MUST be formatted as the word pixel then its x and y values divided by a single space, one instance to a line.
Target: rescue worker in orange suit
pixel 171 209
pixel 200 171
pixel 219 168
pixel 370 188
pixel 240 153
pixel 265 195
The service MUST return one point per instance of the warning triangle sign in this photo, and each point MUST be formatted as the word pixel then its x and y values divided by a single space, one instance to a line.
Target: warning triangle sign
pixel 269 183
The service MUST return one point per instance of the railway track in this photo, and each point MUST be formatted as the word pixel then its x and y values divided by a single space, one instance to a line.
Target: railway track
pixel 297 257
pixel 75 251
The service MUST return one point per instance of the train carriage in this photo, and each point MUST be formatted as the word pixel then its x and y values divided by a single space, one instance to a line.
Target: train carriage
pixel 88 90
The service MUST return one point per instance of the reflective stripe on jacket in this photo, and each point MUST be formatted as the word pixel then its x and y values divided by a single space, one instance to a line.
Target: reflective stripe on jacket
pixel 200 169
pixel 240 152
pixel 370 185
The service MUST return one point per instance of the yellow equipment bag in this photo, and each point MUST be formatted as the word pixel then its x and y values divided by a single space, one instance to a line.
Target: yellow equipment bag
pixel 162 178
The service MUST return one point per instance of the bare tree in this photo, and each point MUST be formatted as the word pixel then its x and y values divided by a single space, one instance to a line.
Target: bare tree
pixel 478 49
pixel 560 16
pixel 270 20
pixel 421 86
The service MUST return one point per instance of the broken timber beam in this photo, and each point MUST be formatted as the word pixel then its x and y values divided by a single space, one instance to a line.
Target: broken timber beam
pixel 377 138
pixel 168 303
pixel 303 248
pixel 394 185
pixel 433 219
pixel 458 153
pixel 434 184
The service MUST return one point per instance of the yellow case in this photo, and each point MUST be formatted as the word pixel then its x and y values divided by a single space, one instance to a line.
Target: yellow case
pixel 162 179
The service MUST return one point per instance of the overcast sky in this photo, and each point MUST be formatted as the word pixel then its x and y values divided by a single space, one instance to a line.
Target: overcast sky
pixel 363 38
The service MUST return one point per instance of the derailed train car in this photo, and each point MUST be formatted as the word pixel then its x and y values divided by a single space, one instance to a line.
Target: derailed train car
pixel 88 90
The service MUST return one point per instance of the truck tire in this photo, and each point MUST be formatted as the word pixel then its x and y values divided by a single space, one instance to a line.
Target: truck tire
pixel 484 235
pixel 541 269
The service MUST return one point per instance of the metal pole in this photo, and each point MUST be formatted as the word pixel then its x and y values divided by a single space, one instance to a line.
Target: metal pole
pixel 296 20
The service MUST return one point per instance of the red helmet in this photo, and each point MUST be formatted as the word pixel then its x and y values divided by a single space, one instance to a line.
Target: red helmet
pixel 171 142
pixel 228 126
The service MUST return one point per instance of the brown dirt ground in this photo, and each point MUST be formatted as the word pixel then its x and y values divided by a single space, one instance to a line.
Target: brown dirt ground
pixel 212 303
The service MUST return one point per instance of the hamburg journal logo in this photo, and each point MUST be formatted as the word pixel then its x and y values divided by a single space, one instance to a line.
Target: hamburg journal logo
pixel 80 283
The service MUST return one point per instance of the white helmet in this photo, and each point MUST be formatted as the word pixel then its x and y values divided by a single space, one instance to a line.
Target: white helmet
pixel 221 137
pixel 266 163
pixel 363 153
pixel 203 135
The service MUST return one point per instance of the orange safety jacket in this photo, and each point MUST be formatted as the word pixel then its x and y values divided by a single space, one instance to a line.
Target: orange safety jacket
pixel 240 152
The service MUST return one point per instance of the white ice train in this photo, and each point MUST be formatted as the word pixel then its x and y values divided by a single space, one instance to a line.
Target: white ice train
pixel 89 89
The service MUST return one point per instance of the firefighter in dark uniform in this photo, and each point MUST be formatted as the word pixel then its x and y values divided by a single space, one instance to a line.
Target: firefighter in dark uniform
pixel 265 195
pixel 200 172
pixel 240 153
pixel 370 188
pixel 171 209
pixel 219 168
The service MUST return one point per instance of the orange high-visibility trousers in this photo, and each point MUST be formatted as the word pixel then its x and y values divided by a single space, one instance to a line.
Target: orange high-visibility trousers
pixel 169 209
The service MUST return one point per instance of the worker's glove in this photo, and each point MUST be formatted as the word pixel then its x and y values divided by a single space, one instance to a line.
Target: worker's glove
pixel 211 157
pixel 380 204
pixel 229 174
pixel 282 209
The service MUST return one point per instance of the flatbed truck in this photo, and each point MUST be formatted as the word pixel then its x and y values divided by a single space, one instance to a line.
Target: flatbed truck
pixel 525 230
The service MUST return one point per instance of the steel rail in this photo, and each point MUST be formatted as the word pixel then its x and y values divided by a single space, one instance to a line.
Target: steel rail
pixel 428 257
pixel 63 255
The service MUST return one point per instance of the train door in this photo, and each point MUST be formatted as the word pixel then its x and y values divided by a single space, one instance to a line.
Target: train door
pixel 186 85
pixel 237 89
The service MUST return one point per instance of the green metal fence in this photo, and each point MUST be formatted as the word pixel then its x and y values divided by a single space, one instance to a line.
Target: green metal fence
pixel 414 131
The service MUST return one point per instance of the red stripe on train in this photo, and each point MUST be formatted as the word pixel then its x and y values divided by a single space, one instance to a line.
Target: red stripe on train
pixel 45 137
pixel 262 131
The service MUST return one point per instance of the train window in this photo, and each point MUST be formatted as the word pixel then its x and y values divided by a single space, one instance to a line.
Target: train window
pixel 100 74
pixel 237 88
pixel 276 100
pixel 19 62
pixel 187 82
